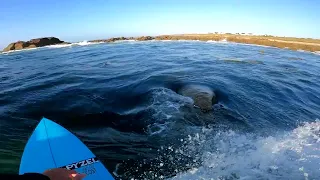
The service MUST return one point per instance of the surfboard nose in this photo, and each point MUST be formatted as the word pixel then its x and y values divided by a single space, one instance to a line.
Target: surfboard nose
pixel 53 146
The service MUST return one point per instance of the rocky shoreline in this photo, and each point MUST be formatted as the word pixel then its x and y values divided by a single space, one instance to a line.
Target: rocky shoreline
pixel 306 44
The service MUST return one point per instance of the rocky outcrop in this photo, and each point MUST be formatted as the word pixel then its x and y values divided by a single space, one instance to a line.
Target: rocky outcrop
pixel 97 41
pixel 145 38
pixel 110 40
pixel 33 43
pixel 141 38
pixel 9 47
pixel 116 39
pixel 45 41
pixel 202 96
pixel 164 37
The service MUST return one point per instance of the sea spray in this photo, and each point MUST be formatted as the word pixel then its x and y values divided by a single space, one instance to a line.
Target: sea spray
pixel 231 155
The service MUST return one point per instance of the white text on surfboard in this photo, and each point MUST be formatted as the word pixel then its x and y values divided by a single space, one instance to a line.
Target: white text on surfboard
pixel 81 163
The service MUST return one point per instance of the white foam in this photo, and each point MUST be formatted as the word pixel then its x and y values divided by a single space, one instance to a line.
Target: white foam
pixel 300 50
pixel 231 155
pixel 165 104
pixel 316 52
pixel 125 41
pixel 83 43
pixel 129 40
pixel 11 51
pixel 221 41
pixel 59 46
pixel 224 40
pixel 257 45
pixel 86 43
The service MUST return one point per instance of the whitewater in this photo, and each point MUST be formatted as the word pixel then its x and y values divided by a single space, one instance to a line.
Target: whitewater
pixel 231 155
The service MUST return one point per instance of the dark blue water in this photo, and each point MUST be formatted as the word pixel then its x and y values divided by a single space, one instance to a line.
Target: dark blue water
pixel 121 100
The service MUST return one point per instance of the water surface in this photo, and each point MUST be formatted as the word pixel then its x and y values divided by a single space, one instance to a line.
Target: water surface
pixel 121 100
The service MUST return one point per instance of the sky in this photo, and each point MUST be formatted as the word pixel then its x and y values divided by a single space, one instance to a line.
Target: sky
pixel 77 20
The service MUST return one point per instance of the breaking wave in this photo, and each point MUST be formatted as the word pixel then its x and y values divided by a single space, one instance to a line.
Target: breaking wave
pixel 83 43
pixel 231 155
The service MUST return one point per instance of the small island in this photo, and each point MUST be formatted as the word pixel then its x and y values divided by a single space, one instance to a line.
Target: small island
pixel 306 44
pixel 33 43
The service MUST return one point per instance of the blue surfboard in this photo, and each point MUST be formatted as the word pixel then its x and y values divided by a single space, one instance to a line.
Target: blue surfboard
pixel 52 146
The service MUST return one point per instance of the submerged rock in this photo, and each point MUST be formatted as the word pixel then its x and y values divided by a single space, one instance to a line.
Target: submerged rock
pixel 33 43
pixel 202 96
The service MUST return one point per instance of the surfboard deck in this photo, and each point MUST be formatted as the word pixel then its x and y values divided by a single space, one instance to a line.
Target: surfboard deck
pixel 52 146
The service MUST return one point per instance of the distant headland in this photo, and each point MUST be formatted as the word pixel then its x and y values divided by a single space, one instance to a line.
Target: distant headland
pixel 306 44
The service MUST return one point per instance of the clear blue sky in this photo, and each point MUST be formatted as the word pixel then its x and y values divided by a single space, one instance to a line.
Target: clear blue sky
pixel 75 20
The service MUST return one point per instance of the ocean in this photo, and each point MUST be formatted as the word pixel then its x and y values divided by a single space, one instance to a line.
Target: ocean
pixel 121 99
